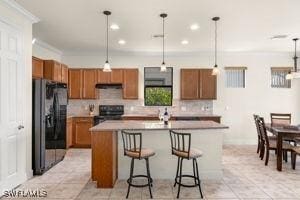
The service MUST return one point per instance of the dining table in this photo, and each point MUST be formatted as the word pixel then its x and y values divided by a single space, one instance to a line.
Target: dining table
pixel 282 131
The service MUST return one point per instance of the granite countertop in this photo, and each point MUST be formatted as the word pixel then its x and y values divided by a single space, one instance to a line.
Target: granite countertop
pixel 116 125
pixel 172 115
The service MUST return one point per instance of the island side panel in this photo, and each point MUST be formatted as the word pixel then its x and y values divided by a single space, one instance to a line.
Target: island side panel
pixel 104 158
pixel 163 164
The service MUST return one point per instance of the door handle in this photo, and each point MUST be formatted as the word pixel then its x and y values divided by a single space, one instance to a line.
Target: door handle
pixel 20 127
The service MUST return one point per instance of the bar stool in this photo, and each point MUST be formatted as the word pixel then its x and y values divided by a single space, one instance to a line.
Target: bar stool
pixel 181 147
pixel 132 143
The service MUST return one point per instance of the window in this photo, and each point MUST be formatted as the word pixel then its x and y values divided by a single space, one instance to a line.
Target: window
pixel 235 77
pixel 158 85
pixel 278 79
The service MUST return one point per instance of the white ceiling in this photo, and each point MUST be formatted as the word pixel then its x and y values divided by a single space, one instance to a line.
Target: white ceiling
pixel 245 25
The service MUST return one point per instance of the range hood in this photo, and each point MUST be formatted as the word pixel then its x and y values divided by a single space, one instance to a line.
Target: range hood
pixel 109 86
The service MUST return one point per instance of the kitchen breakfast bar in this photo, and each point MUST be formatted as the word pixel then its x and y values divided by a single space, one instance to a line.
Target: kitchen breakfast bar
pixel 110 164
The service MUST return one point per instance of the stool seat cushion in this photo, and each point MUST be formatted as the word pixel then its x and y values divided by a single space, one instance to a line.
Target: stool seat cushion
pixel 145 153
pixel 194 153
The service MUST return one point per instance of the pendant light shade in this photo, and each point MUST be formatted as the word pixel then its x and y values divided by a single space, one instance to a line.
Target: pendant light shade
pixel 294 74
pixel 163 67
pixel 216 70
pixel 106 67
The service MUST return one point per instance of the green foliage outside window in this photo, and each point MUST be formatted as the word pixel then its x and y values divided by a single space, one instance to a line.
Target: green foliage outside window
pixel 158 96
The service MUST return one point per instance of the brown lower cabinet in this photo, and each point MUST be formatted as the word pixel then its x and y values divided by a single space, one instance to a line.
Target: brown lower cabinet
pixel 81 134
pixel 69 133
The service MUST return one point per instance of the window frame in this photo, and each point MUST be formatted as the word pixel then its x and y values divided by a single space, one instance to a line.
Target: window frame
pixel 159 86
pixel 282 69
pixel 244 76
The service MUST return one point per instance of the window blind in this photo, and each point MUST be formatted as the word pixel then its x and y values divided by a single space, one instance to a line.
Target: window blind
pixel 235 77
pixel 278 79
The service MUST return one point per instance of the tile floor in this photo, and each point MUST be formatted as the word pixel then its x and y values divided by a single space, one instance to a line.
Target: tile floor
pixel 245 177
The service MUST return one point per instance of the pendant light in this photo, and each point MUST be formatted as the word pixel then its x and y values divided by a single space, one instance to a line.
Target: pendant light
pixel 291 74
pixel 163 67
pixel 107 65
pixel 216 71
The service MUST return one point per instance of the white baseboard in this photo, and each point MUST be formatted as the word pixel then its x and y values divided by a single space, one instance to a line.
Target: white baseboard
pixel 240 142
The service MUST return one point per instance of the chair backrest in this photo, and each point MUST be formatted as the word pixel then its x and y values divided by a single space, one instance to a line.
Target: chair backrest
pixel 281 118
pixel 180 142
pixel 132 142
pixel 256 117
pixel 263 130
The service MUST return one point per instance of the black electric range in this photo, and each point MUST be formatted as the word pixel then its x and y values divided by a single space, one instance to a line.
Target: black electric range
pixel 109 112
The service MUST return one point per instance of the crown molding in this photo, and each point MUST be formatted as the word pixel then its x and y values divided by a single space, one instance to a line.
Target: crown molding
pixel 47 46
pixel 17 7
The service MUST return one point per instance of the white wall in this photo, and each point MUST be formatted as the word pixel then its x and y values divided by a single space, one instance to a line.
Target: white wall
pixel 45 51
pixel 236 106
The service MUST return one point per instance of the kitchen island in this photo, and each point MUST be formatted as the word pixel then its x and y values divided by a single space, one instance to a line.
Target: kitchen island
pixel 109 162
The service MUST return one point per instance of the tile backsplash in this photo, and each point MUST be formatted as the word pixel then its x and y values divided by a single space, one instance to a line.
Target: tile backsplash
pixel 114 97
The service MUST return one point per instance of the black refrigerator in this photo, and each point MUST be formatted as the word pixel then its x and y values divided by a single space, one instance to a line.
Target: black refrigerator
pixel 50 101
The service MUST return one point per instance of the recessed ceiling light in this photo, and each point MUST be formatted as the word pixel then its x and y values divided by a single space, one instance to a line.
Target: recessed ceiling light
pixel 122 42
pixel 184 42
pixel 33 40
pixel 114 27
pixel 194 27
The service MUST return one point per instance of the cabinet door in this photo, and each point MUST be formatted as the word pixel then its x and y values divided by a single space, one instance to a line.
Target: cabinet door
pixel 75 83
pixel 69 133
pixel 37 67
pixel 82 135
pixel 116 76
pixel 64 73
pixel 52 70
pixel 189 86
pixel 103 77
pixel 207 84
pixel 130 83
pixel 89 77
pixel 57 71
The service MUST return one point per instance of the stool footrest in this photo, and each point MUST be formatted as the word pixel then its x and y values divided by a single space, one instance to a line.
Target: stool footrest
pixel 187 176
pixel 139 176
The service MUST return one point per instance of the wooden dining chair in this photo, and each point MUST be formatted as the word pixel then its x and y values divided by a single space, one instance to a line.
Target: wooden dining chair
pixel 259 138
pixel 281 118
pixel 284 119
pixel 271 144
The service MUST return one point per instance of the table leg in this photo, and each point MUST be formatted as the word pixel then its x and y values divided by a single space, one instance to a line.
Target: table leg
pixel 279 152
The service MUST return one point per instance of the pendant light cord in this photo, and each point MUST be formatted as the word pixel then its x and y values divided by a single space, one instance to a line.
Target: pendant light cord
pixel 106 38
pixel 215 43
pixel 295 57
pixel 163 40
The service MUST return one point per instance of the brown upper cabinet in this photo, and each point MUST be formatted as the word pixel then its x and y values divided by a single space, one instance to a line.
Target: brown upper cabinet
pixel 75 83
pixel 64 73
pixel 198 84
pixel 89 77
pixel 130 83
pixel 208 84
pixel 55 71
pixel 37 68
pixel 82 83
pixel 52 70
pixel 115 76
pixel 189 87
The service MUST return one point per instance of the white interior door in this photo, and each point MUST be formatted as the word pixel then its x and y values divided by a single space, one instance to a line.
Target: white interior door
pixel 12 87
